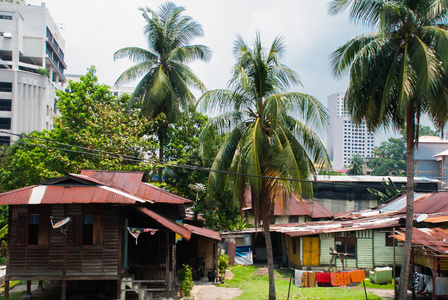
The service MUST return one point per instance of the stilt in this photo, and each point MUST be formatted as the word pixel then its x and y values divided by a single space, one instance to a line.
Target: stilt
pixel 40 286
pixel 118 289
pixel 6 290
pixel 64 290
pixel 28 289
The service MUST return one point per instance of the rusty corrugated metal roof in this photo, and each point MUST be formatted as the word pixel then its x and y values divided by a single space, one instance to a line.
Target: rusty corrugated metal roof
pixel 159 195
pixel 297 207
pixel 68 194
pixel 433 238
pixel 203 232
pixel 433 203
pixel 132 182
pixel 127 181
pixel 184 232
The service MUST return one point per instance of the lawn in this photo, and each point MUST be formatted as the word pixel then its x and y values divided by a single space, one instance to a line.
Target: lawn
pixel 256 287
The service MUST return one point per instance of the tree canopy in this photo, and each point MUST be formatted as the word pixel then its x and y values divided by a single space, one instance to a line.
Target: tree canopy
pixel 94 131
pixel 270 150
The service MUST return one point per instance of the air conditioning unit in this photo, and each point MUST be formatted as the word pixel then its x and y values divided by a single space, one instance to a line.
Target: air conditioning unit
pixel 7 34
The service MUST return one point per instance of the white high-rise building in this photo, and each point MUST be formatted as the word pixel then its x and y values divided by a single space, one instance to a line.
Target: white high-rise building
pixel 345 139
pixel 31 68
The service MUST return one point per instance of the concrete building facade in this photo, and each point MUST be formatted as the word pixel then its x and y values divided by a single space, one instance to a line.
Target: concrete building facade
pixel 345 139
pixel 31 69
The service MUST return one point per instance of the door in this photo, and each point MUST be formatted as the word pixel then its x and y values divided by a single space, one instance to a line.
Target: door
pixel 310 251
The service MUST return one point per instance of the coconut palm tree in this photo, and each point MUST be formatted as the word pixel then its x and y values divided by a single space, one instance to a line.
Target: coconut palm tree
pixel 396 75
pixel 164 90
pixel 270 150
pixel 356 166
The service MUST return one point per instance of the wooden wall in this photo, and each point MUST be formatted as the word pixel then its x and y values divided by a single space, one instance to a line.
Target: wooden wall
pixel 61 259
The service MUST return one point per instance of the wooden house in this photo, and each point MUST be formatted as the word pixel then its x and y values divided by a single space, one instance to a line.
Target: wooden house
pixel 102 226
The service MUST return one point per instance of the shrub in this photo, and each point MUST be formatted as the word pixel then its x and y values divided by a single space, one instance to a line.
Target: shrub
pixel 185 278
pixel 223 263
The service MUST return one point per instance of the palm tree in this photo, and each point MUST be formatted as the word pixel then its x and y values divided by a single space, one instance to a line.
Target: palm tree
pixel 396 75
pixel 164 89
pixel 270 150
pixel 356 166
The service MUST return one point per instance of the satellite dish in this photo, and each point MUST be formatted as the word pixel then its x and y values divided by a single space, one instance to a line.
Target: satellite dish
pixel 421 218
pixel 60 223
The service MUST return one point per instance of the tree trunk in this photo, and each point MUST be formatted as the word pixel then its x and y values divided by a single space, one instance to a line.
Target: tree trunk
pixel 160 169
pixel 404 275
pixel 270 257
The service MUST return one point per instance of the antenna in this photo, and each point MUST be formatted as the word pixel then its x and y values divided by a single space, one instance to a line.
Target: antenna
pixel 60 224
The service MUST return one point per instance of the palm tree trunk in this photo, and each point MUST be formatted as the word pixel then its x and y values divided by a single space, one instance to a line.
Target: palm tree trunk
pixel 270 257
pixel 404 275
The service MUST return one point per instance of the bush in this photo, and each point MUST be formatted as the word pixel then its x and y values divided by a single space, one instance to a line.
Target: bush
pixel 223 263
pixel 185 278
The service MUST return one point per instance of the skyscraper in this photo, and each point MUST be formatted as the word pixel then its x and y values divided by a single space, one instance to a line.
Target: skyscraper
pixel 345 139
pixel 31 68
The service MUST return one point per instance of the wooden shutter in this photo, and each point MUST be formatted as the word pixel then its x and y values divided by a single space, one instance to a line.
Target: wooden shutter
pixel 77 230
pixel 98 230
pixel 22 230
pixel 44 230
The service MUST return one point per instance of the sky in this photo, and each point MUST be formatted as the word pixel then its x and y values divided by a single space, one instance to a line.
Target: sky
pixel 94 30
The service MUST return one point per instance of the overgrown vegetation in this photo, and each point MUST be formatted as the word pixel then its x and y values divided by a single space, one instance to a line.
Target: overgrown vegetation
pixel 185 278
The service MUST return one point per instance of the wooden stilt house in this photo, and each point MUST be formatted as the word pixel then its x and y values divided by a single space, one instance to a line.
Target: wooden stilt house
pixel 101 226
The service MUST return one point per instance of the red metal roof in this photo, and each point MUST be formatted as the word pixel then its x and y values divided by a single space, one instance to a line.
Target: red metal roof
pixel 297 207
pixel 184 232
pixel 159 195
pixel 433 238
pixel 132 182
pixel 127 181
pixel 434 203
pixel 204 232
pixel 67 194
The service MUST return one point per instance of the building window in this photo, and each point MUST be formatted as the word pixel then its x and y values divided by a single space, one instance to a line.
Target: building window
pixel 346 245
pixel 293 219
pixel 5 140
pixel 6 87
pixel 389 240
pixel 88 227
pixel 5 105
pixel 5 17
pixel 5 123
pixel 34 228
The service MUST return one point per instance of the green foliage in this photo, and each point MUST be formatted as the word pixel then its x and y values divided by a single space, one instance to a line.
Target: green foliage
pixel 390 190
pixel 90 121
pixel 43 71
pixel 223 263
pixel 356 166
pixel 185 278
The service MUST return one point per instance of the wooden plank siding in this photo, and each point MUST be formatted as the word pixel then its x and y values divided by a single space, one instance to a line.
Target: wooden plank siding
pixel 383 256
pixel 364 250
pixel 326 242
pixel 61 258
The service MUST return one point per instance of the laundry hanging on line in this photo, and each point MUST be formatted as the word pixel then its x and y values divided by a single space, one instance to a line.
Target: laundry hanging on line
pixel 135 231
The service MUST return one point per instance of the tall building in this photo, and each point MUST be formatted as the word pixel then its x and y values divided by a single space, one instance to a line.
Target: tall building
pixel 345 139
pixel 31 68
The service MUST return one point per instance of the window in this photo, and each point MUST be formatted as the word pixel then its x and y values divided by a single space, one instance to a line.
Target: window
pixel 5 17
pixel 5 105
pixel 346 245
pixel 293 219
pixel 34 228
pixel 5 123
pixel 88 227
pixel 5 140
pixel 389 240
pixel 6 87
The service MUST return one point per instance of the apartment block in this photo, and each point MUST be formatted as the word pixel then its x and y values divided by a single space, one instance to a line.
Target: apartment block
pixel 344 138
pixel 31 69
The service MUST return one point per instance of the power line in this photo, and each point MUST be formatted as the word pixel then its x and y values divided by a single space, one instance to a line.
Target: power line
pixel 112 155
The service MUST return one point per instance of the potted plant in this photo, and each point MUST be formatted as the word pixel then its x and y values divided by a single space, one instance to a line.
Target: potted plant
pixel 223 264
pixel 185 278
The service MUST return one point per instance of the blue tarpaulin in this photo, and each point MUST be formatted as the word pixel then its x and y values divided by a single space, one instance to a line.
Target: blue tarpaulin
pixel 244 255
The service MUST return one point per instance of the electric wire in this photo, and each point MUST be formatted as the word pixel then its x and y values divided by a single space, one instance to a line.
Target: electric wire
pixel 113 155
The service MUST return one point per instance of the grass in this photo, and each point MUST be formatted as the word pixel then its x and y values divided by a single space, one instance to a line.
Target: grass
pixel 257 286
pixel 13 296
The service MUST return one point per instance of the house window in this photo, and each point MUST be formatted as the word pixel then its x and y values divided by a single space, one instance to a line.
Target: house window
pixel 346 245
pixel 293 219
pixel 34 228
pixel 88 227
pixel 389 241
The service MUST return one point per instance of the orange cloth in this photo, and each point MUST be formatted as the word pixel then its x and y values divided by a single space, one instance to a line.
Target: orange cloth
pixel 357 276
pixel 340 278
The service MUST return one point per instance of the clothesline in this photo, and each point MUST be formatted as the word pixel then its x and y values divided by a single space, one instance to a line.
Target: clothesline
pixel 304 278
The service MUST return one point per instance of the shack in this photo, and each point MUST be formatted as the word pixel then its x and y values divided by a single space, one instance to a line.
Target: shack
pixel 102 226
